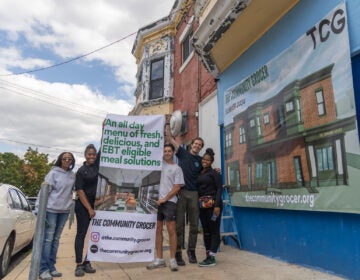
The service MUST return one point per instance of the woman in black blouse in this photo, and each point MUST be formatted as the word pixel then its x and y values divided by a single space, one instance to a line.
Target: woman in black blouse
pixel 210 200
pixel 85 186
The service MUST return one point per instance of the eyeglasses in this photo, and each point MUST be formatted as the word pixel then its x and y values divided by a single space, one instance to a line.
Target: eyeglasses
pixel 66 159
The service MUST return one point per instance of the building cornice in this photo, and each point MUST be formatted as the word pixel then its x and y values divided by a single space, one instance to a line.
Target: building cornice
pixel 217 22
pixel 160 28
pixel 230 27
pixel 150 103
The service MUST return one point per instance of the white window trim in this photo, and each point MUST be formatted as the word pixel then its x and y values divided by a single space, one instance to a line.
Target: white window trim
pixel 252 123
pixel 186 62
pixel 266 118
pixel 186 30
pixel 182 37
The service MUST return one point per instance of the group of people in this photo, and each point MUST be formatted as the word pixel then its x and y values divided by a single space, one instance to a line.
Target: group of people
pixel 62 180
pixel 190 188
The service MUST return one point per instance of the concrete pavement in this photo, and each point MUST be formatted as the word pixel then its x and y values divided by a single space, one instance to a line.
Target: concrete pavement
pixel 231 264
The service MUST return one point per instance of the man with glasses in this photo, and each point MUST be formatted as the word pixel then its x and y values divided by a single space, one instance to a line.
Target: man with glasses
pixel 190 163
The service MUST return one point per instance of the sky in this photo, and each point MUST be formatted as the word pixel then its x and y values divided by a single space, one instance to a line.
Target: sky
pixel 62 108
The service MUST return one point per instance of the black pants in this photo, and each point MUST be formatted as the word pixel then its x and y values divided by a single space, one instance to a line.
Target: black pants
pixel 211 229
pixel 83 222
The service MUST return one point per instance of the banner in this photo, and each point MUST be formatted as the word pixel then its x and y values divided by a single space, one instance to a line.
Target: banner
pixel 122 237
pixel 123 229
pixel 291 138
pixel 130 163
pixel 132 142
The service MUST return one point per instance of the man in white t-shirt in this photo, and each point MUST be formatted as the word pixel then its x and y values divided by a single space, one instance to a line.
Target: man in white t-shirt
pixel 172 179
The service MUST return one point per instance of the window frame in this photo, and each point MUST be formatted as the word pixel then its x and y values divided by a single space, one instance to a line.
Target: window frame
pixel 186 38
pixel 325 158
pixel 252 123
pixel 228 139
pixel 156 80
pixel 320 103
pixel 298 110
pixel 289 106
pixel 258 126
pixel 259 170
pixel 267 118
pixel 242 135
pixel 15 199
pixel 187 46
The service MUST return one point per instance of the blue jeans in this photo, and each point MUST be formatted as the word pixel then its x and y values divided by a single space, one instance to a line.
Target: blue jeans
pixel 54 225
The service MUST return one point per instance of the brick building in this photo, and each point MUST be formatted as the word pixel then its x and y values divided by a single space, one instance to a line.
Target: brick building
pixel 171 76
pixel 284 142
pixel 192 82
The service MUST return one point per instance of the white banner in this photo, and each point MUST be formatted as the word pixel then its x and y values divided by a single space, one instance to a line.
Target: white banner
pixel 133 142
pixel 122 237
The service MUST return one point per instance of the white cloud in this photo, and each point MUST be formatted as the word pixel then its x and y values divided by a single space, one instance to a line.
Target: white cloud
pixel 12 57
pixel 65 116
pixel 73 28
pixel 55 115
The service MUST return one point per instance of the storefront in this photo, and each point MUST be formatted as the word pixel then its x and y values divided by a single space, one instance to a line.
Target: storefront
pixel 288 100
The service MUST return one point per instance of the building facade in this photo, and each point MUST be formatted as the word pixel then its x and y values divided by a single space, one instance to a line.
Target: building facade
pixel 154 52
pixel 300 138
pixel 192 82
pixel 171 76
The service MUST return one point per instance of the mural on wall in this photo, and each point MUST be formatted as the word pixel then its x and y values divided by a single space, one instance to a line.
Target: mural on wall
pixel 291 137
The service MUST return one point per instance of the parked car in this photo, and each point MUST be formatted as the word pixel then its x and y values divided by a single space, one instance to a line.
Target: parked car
pixel 32 201
pixel 17 224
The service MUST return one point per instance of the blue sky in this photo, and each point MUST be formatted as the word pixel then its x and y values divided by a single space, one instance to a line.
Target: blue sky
pixel 96 74
pixel 63 107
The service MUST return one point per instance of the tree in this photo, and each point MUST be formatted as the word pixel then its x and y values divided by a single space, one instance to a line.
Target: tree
pixel 27 174
pixel 35 168
pixel 11 169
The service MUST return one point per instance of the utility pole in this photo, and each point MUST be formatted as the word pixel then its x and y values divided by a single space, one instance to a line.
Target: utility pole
pixel 39 231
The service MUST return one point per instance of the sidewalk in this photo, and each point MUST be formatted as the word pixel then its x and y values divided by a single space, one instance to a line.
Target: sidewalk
pixel 231 264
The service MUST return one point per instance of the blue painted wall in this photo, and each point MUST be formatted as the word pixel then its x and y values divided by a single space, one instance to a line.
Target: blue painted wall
pixel 323 240
pixel 355 63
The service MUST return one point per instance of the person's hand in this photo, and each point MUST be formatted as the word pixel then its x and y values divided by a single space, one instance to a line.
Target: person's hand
pixel 217 211
pixel 160 201
pixel 218 170
pixel 91 213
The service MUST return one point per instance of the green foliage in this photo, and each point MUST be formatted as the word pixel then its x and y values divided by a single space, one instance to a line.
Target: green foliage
pixel 11 169
pixel 28 173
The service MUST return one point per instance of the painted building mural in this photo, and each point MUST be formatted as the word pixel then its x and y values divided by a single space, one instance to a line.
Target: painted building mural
pixel 290 127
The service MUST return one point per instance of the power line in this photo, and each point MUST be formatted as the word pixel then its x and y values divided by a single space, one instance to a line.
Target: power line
pixel 46 96
pixel 49 102
pixel 38 145
pixel 89 53
pixel 70 60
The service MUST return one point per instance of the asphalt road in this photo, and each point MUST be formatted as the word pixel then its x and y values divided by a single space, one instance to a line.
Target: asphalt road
pixel 18 258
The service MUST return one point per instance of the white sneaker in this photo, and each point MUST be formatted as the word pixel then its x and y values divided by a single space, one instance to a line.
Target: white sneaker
pixel 156 264
pixel 173 265
pixel 55 273
pixel 45 275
